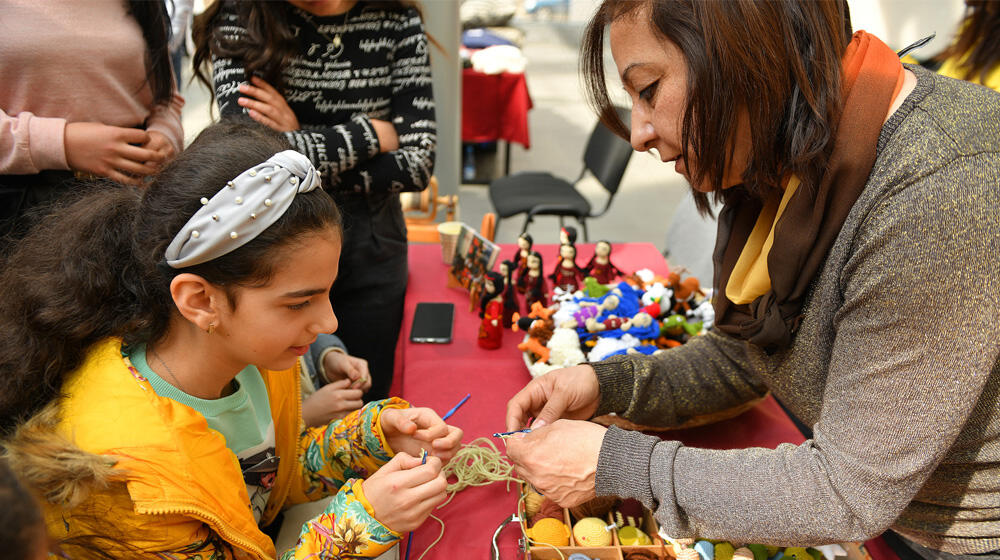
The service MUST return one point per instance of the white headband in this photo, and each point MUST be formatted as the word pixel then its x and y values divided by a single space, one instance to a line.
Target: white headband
pixel 242 209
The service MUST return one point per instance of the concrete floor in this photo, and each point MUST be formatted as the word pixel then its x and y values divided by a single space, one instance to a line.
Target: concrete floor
pixel 560 121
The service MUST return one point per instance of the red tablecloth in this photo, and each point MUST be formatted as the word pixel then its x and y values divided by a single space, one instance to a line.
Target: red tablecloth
pixel 495 107
pixel 439 375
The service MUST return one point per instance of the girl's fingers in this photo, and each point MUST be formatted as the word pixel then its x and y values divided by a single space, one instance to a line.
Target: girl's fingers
pixel 120 177
pixel 263 120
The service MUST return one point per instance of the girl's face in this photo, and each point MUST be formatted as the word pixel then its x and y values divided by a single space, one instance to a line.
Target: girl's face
pixel 654 72
pixel 272 325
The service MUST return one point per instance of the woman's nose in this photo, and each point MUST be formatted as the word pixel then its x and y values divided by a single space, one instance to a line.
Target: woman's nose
pixel 642 131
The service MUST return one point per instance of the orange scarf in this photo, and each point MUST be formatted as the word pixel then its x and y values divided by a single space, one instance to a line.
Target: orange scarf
pixel 814 214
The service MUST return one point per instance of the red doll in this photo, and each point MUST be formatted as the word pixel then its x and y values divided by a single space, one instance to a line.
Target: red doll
pixel 567 275
pixel 600 265
pixel 532 282
pixel 510 305
pixel 491 311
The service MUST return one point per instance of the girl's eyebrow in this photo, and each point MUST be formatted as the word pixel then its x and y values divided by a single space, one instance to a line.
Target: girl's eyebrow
pixel 303 293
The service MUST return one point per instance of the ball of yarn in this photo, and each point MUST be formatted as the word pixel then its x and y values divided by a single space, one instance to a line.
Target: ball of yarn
pixel 548 510
pixel 591 531
pixel 724 551
pixel 550 531
pixel 744 553
pixel 705 549
pixel 687 554
pixel 797 553
pixel 759 552
pixel 632 536
pixel 771 550
pixel 597 507
pixel 532 501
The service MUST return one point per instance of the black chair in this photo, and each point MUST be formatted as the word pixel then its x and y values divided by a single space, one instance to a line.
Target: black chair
pixel 538 193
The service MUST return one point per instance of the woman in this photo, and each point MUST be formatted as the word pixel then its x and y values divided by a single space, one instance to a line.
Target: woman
pixel 350 85
pixel 97 104
pixel 874 187
pixel 975 54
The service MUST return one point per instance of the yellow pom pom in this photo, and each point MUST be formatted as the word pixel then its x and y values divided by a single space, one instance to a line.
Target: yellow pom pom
pixel 724 551
pixel 550 531
pixel 532 501
pixel 591 531
pixel 631 536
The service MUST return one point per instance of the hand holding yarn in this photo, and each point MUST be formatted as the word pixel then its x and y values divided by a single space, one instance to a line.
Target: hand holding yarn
pixel 559 460
pixel 412 430
pixel 404 491
pixel 340 365
pixel 564 393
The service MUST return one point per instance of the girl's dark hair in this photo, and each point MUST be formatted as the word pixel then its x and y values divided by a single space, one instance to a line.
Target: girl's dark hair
pixel 979 38
pixel 779 61
pixel 95 268
pixel 270 43
pixel 155 24
pixel 22 528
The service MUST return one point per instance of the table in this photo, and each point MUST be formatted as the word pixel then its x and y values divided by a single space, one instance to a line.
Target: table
pixel 495 107
pixel 438 376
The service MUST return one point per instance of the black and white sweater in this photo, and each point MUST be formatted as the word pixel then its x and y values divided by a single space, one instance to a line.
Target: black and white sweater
pixel 380 70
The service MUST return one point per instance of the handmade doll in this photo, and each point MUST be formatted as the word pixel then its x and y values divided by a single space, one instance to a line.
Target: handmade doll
pixel 567 235
pixel 524 243
pixel 567 275
pixel 532 282
pixel 600 265
pixel 491 311
pixel 510 305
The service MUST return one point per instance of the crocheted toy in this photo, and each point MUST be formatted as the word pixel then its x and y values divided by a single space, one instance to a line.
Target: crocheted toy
pixel 547 509
pixel 633 536
pixel 724 551
pixel 549 531
pixel 629 512
pixel 705 549
pixel 591 531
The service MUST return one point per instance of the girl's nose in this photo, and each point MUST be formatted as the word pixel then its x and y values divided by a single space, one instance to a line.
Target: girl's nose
pixel 327 322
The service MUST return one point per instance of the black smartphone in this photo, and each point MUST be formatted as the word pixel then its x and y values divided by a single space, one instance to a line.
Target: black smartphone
pixel 432 322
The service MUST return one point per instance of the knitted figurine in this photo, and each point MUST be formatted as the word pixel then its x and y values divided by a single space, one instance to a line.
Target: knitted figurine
pixel 549 531
pixel 567 275
pixel 567 235
pixel 600 265
pixel 591 531
pixel 510 304
pixel 532 282
pixel 491 312
pixel 524 243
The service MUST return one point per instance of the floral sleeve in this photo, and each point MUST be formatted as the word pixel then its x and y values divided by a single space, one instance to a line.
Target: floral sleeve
pixel 337 458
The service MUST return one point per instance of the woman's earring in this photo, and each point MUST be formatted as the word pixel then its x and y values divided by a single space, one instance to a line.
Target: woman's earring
pixel 211 328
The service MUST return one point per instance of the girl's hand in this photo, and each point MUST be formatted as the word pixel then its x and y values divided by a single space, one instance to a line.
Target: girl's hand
pixel 404 492
pixel 338 365
pixel 412 430
pixel 331 402
pixel 267 106
pixel 559 460
pixel 115 152
pixel 388 138
pixel 158 142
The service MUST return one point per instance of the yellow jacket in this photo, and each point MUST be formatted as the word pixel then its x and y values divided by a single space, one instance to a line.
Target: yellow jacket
pixel 183 489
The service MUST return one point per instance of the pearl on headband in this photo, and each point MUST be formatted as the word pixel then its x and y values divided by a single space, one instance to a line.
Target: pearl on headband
pixel 241 210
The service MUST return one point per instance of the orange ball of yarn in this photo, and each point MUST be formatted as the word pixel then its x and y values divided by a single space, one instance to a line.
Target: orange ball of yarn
pixel 550 531
pixel 548 510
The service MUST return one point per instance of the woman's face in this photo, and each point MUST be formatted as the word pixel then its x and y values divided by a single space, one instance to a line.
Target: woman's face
pixel 654 73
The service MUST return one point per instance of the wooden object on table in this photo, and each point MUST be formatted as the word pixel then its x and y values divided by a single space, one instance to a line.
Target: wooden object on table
pixel 421 212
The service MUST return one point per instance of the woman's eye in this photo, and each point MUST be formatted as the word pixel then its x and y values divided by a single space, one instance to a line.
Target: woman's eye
pixel 649 91
pixel 299 305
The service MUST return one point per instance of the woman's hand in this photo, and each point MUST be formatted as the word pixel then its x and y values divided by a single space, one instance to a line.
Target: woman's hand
pixel 339 365
pixel 570 392
pixel 388 138
pixel 116 152
pixel 559 460
pixel 267 106
pixel 331 402
pixel 413 430
pixel 404 492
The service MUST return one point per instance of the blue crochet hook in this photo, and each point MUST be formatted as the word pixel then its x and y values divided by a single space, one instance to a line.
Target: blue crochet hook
pixel 454 408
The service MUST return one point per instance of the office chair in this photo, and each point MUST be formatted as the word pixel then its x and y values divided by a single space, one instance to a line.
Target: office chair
pixel 538 193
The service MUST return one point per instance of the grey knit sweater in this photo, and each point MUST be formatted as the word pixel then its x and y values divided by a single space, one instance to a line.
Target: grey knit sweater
pixel 895 366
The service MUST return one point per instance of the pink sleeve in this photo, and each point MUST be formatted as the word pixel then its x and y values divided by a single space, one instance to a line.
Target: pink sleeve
pixel 166 119
pixel 29 144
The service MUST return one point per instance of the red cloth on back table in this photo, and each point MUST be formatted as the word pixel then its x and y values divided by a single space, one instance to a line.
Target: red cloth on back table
pixel 439 375
pixel 495 107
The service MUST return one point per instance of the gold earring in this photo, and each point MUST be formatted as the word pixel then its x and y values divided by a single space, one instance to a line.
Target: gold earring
pixel 211 328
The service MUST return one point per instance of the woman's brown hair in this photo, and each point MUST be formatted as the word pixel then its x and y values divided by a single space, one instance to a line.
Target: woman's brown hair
pixel 94 268
pixel 979 38
pixel 779 61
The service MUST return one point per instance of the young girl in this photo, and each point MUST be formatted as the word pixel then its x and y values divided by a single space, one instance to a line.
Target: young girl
pixel 157 332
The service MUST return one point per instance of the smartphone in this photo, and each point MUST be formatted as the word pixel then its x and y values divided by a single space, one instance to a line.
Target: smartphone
pixel 432 323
